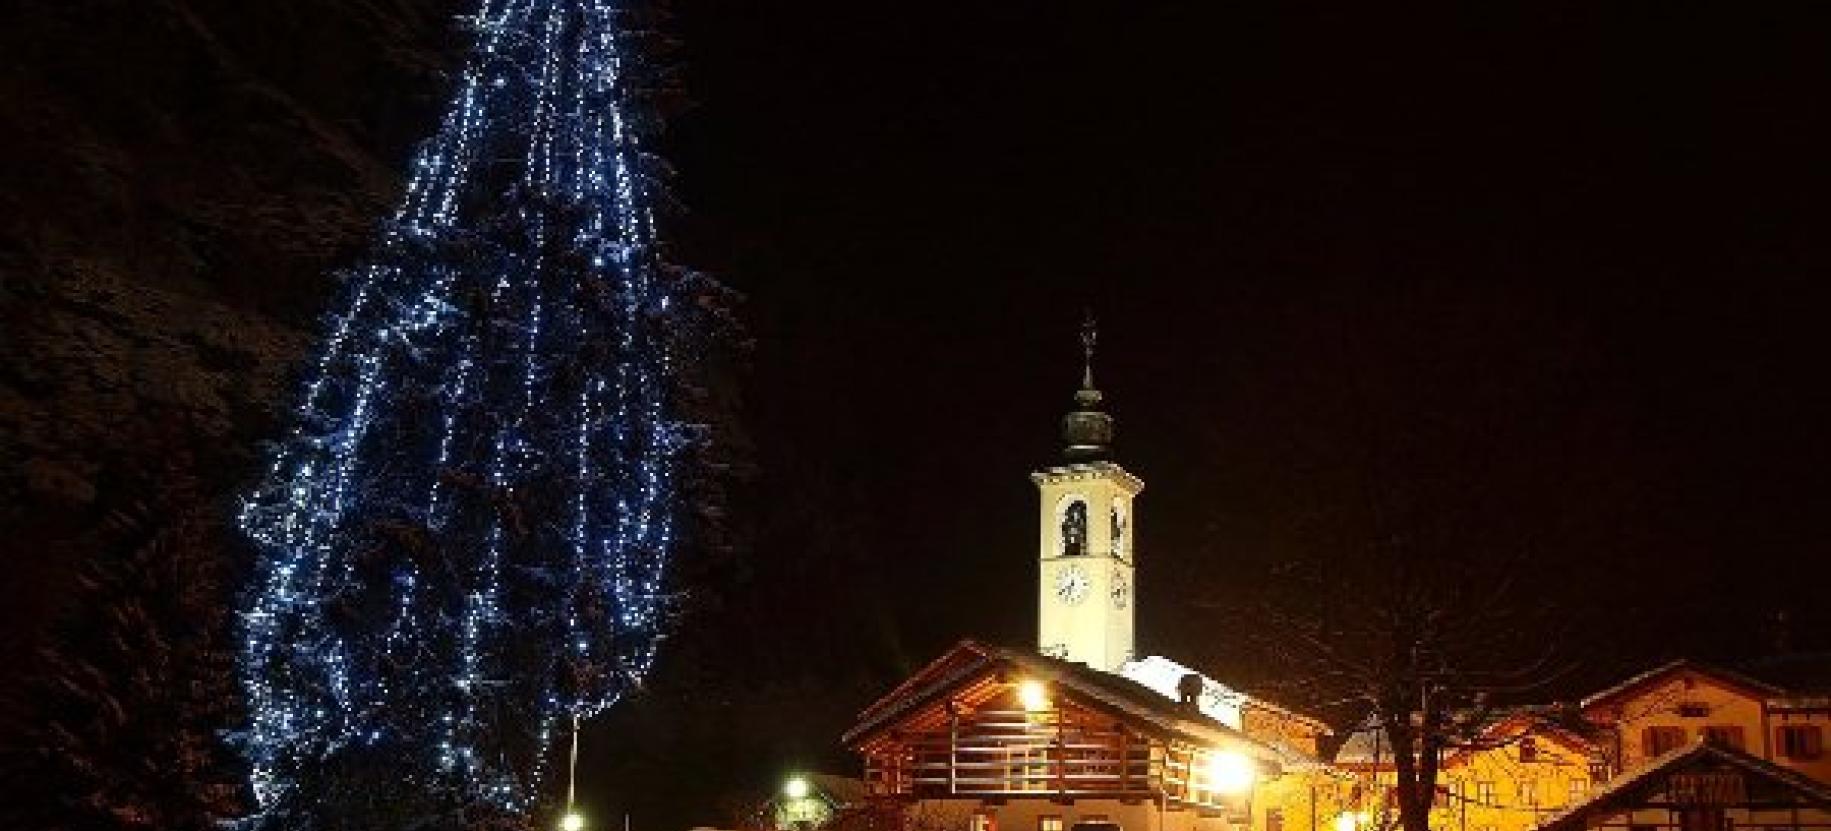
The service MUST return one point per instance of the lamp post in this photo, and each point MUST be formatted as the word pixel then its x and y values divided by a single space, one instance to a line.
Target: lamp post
pixel 573 820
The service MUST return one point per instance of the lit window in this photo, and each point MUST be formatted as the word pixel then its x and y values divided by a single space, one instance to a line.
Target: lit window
pixel 1048 824
pixel 1528 792
pixel 1484 793
pixel 1578 789
pixel 1274 819
pixel 984 822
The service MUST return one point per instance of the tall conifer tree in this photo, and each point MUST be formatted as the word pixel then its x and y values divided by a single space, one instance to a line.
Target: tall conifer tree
pixel 464 540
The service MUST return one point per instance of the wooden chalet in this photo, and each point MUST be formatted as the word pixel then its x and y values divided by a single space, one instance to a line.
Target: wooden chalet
pixel 988 736
pixel 1702 787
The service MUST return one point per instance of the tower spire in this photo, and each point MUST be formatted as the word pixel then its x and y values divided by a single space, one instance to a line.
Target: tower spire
pixel 1090 337
pixel 1087 431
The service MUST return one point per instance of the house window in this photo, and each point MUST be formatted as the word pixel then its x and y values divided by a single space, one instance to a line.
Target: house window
pixel 1484 793
pixel 1274 819
pixel 1578 789
pixel 983 821
pixel 1724 735
pixel 1049 823
pixel 1528 749
pixel 1694 709
pixel 1528 792
pixel 1801 741
pixel 1660 740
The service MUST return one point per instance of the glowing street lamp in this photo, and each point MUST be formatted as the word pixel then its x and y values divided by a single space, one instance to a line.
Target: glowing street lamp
pixel 573 820
pixel 796 788
pixel 1033 696
pixel 1350 821
pixel 1230 772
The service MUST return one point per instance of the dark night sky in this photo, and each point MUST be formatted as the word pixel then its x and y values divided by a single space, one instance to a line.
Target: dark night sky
pixel 1599 227
pixel 1622 206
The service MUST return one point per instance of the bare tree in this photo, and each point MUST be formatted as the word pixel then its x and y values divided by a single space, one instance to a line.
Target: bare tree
pixel 1435 523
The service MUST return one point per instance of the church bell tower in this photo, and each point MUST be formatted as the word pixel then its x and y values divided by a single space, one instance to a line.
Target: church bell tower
pixel 1085 592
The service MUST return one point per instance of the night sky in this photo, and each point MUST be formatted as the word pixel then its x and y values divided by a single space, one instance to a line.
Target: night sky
pixel 1596 230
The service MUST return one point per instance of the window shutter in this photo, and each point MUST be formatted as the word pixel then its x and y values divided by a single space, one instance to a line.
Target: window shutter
pixel 1814 741
pixel 1649 743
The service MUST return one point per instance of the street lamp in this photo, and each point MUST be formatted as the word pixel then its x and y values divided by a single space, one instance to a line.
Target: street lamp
pixel 796 788
pixel 573 820
pixel 1033 696
pixel 1230 772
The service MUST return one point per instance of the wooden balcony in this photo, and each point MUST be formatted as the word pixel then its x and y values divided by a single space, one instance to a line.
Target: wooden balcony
pixel 1005 754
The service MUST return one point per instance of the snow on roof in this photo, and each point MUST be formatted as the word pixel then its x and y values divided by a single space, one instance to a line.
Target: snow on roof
pixel 1217 701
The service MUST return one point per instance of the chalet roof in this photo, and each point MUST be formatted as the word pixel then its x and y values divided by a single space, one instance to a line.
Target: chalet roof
pixel 1621 793
pixel 1368 743
pixel 838 791
pixel 1642 680
pixel 971 659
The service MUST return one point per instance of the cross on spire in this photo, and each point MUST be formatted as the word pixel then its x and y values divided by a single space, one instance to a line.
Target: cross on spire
pixel 1090 337
pixel 1087 430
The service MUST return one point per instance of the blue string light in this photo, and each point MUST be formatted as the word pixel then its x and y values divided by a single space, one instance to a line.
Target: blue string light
pixel 464 538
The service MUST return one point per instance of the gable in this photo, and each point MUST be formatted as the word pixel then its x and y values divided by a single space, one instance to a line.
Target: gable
pixel 1672 684
pixel 973 675
pixel 1700 774
pixel 1505 737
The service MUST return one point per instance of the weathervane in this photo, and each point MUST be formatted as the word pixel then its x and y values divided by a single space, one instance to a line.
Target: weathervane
pixel 1087 431
pixel 1090 336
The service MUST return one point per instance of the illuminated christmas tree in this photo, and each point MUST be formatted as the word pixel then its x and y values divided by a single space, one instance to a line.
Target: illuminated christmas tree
pixel 465 538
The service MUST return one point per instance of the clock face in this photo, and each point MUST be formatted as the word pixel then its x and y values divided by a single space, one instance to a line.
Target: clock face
pixel 1071 585
pixel 1122 591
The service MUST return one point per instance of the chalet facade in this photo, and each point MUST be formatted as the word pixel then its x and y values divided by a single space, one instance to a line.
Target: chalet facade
pixel 991 737
pixel 1508 771
pixel 1779 712
pixel 1702 787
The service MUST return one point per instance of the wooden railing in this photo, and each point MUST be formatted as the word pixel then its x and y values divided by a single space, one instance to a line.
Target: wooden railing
pixel 1014 753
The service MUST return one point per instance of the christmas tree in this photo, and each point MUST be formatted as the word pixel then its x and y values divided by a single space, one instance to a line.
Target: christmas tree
pixel 464 540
